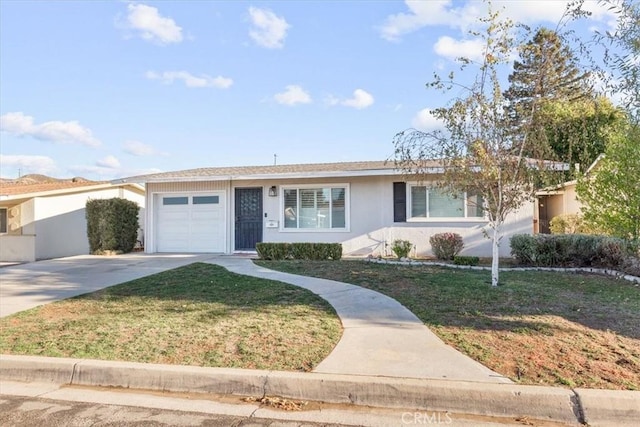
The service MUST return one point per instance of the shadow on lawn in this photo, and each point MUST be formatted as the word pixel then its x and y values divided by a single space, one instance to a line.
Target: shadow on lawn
pixel 463 298
pixel 202 283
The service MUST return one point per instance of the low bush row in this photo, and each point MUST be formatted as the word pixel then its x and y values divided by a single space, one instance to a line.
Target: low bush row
pixel 306 251
pixel 572 250
pixel 466 260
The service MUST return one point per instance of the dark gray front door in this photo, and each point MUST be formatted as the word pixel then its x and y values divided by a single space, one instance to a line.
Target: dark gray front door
pixel 248 218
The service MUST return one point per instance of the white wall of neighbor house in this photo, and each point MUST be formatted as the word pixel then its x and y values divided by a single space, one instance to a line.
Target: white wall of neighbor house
pixel 61 225
pixel 18 243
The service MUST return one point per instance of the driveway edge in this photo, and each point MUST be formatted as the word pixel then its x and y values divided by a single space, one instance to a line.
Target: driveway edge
pixel 595 407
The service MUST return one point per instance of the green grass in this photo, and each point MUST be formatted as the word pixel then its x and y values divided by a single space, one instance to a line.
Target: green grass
pixel 200 314
pixel 536 328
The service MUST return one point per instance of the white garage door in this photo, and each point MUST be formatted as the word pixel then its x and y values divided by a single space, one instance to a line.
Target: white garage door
pixel 191 222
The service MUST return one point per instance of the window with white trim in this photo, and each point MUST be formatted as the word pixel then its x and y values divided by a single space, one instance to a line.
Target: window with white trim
pixel 315 207
pixel 428 202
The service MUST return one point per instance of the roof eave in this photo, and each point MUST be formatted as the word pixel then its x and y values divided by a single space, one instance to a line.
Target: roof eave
pixel 70 190
pixel 276 176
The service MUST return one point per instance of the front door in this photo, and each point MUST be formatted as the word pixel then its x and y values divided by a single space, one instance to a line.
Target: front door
pixel 248 218
pixel 543 216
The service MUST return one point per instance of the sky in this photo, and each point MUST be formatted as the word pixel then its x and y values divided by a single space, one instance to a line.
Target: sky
pixel 109 89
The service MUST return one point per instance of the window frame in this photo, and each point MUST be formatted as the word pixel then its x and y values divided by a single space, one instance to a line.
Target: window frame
pixel 323 186
pixel 430 186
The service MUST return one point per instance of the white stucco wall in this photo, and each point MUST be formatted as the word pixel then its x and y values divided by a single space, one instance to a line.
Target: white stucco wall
pixel 17 248
pixel 371 227
pixel 18 244
pixel 59 222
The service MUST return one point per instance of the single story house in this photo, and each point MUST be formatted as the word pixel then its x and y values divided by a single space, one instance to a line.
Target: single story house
pixel 363 205
pixel 47 220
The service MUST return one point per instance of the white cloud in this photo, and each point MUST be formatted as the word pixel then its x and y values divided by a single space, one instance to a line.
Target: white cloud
pixel 293 95
pixel 425 121
pixel 26 165
pixel 191 81
pixel 452 49
pixel 420 14
pixel 465 15
pixel 361 99
pixel 140 149
pixel 109 162
pixel 19 124
pixel 152 26
pixel 269 30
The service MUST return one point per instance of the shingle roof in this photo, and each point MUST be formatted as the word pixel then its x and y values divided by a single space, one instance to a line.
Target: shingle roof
pixel 310 169
pixel 16 189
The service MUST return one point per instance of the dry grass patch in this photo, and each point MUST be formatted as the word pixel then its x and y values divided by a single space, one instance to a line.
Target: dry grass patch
pixel 200 314
pixel 536 328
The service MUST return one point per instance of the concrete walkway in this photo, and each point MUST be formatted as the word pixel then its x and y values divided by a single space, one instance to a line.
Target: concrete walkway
pixel 381 337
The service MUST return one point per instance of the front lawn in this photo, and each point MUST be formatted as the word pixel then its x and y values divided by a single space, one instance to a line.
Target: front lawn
pixel 200 314
pixel 549 328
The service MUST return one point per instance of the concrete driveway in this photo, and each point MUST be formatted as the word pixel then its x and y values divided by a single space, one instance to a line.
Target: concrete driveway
pixel 25 286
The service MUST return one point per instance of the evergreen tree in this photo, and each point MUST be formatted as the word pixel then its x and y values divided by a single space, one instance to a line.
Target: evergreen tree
pixel 546 72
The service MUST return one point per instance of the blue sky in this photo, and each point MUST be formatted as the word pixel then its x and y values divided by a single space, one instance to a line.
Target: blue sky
pixel 106 89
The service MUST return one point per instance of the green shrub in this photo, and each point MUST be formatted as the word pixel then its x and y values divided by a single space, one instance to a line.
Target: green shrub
pixel 568 224
pixel 466 260
pixel 445 246
pixel 552 250
pixel 612 252
pixel 584 249
pixel 523 248
pixel 112 224
pixel 401 248
pixel 576 250
pixel 305 251
pixel 273 251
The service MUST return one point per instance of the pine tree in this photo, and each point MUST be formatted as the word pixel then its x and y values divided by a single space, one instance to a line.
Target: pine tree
pixel 547 71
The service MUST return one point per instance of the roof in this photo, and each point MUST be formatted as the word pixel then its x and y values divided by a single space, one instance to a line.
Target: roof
pixel 26 191
pixel 559 188
pixel 13 189
pixel 310 170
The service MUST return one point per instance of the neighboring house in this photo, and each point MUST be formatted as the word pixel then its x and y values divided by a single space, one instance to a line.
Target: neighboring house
pixel 555 201
pixel 47 220
pixel 363 205
pixel 559 200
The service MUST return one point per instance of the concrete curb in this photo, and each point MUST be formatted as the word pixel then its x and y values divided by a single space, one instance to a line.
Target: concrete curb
pixel 597 407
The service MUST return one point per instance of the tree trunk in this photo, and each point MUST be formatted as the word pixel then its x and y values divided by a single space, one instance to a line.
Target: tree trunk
pixel 495 243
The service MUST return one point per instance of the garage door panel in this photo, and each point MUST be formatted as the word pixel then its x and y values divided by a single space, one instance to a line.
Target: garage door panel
pixel 190 227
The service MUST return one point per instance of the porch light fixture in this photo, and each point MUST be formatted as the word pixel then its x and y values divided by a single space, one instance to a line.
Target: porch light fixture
pixel 273 191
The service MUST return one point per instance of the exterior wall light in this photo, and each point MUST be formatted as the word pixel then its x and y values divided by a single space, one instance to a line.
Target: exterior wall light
pixel 273 191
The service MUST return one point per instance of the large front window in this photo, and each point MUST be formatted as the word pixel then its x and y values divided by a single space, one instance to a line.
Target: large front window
pixel 322 207
pixel 427 202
